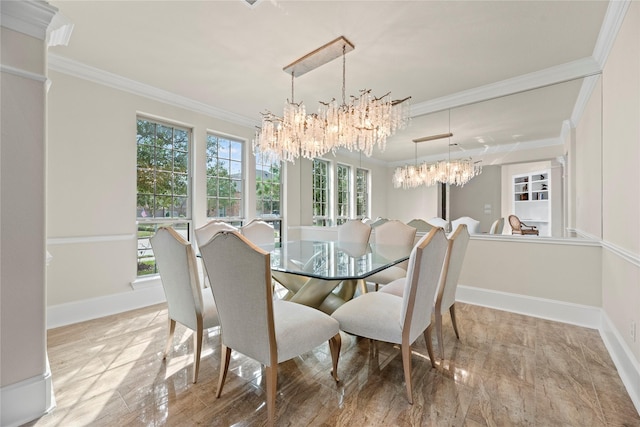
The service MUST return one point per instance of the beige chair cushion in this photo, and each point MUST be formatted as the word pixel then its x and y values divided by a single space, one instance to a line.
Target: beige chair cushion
pixel 395 288
pixel 291 338
pixel 374 315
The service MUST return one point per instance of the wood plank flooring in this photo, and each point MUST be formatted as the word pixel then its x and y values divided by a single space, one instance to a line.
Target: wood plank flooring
pixel 506 370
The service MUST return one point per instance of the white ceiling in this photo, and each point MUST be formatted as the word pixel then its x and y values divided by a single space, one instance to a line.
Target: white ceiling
pixel 229 56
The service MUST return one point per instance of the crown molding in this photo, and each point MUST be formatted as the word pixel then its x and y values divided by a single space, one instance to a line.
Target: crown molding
pixel 552 75
pixel 479 152
pixel 77 69
pixel 30 17
pixel 616 11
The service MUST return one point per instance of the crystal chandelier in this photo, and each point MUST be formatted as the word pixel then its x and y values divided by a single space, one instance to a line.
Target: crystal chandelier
pixel 450 172
pixel 360 124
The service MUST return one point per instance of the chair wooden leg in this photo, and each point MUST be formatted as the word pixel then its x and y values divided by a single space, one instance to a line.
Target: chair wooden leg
pixel 427 339
pixel 197 348
pixel 334 346
pixel 376 287
pixel 272 385
pixel 225 357
pixel 172 329
pixel 439 333
pixel 406 364
pixel 452 310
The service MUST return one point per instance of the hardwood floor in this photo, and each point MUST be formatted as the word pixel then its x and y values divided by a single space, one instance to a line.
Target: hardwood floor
pixel 506 370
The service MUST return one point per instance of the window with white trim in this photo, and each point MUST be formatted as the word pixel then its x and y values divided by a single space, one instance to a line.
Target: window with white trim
pixel 320 191
pixel 343 190
pixel 163 184
pixel 225 178
pixel 362 193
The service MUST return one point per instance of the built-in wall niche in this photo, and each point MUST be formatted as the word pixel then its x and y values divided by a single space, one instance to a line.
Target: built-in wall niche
pixel 532 201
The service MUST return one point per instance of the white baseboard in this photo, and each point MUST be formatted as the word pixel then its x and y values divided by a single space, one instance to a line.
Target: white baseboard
pixel 79 311
pixel 575 314
pixel 27 400
pixel 628 367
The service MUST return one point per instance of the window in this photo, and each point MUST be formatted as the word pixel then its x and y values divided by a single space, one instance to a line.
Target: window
pixel 268 187
pixel 269 192
pixel 163 189
pixel 224 177
pixel 362 193
pixel 321 193
pixel 344 194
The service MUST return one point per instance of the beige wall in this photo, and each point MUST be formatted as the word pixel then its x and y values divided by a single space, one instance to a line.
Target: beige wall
pixel 621 180
pixel 588 168
pixel 567 271
pixel 91 182
pixel 22 201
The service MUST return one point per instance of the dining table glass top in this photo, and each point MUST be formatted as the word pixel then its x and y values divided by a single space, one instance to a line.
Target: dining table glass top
pixel 330 260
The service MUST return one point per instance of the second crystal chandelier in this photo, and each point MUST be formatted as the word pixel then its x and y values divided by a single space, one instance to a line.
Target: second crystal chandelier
pixel 360 124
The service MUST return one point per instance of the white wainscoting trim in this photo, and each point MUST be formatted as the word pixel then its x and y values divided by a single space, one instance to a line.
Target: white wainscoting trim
pixel 575 314
pixel 89 239
pixel 93 308
pixel 26 400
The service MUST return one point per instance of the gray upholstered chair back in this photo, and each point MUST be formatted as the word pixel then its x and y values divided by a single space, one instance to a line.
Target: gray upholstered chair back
pixel 457 249
pixel 354 231
pixel 423 275
pixel 259 232
pixel 243 295
pixel 421 225
pixel 207 231
pixel 178 270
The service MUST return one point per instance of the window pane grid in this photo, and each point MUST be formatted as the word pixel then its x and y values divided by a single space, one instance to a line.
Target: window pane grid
pixel 344 194
pixel 162 171
pixel 224 177
pixel 362 193
pixel 163 186
pixel 321 193
pixel 268 186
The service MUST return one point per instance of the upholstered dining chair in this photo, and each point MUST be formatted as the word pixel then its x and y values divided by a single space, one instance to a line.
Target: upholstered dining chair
pixel 446 299
pixel 401 320
pixel 252 322
pixel 396 233
pixel 354 231
pixel 446 296
pixel 497 226
pixel 259 232
pixel 420 225
pixel 186 301
pixel 473 225
pixel 519 227
pixel 436 221
pixel 205 233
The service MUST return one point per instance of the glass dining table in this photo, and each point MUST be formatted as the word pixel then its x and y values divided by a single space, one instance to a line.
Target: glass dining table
pixel 326 274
